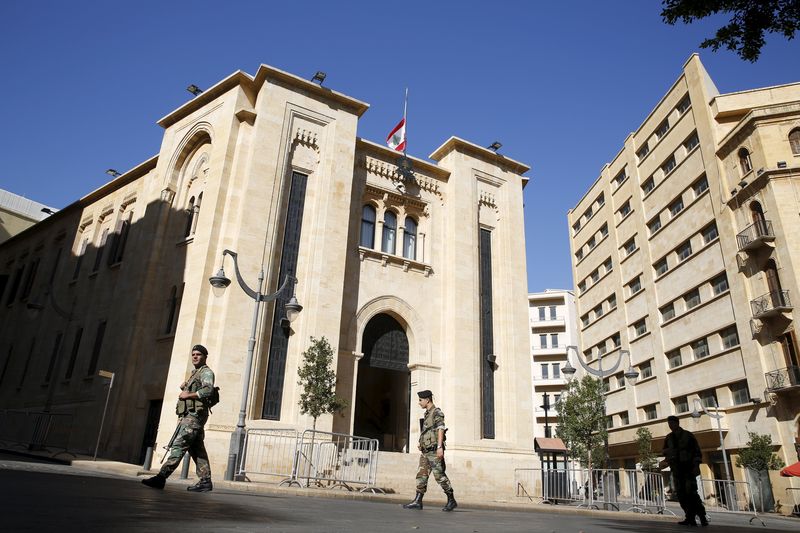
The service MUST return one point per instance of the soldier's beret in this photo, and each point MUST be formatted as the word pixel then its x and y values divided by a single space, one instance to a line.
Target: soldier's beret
pixel 425 394
pixel 200 348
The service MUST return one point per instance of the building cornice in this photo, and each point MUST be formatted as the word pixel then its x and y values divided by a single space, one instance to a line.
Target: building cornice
pixel 460 145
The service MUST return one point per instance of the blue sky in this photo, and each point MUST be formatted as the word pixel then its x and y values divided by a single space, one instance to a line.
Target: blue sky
pixel 560 84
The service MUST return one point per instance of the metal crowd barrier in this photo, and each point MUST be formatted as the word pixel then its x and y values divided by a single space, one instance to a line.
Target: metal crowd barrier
pixel 36 430
pixel 726 496
pixel 325 459
pixel 337 460
pixel 269 452
pixel 611 489
pixel 793 495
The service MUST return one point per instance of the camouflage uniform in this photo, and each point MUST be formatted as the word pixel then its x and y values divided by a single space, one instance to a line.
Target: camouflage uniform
pixel 684 456
pixel 428 461
pixel 190 433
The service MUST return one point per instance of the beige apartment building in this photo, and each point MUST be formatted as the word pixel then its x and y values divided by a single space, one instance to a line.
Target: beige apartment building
pixel 552 325
pixel 686 253
pixel 416 281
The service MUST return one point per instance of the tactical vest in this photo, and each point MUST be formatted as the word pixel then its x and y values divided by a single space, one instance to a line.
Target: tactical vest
pixel 195 407
pixel 428 438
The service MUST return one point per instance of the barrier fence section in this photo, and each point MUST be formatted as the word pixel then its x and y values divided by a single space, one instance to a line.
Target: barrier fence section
pixel 793 496
pixel 612 489
pixel 36 430
pixel 337 460
pixel 726 496
pixel 332 460
pixel 269 452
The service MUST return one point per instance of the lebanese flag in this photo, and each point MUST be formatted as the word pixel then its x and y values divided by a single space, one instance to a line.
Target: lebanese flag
pixel 397 138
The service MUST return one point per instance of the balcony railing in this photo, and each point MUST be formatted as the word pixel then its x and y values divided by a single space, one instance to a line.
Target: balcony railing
pixel 548 318
pixel 783 378
pixel 755 235
pixel 540 348
pixel 772 303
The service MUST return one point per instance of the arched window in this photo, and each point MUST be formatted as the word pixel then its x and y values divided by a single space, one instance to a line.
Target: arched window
pixel 744 161
pixel 189 217
pixel 389 232
pixel 794 141
pixel 410 239
pixel 173 306
pixel 368 226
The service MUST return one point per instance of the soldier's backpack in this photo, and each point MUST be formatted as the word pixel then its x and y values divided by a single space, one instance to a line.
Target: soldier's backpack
pixel 212 400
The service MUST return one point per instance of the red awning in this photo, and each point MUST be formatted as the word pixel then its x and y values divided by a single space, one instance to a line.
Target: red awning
pixel 791 470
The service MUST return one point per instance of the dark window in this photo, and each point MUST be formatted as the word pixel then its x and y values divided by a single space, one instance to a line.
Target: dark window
pixel 662 129
pixel 684 105
pixel 53 357
pixel 719 284
pixel 635 285
pixel 79 262
pixel 620 178
pixel 630 247
pixel 744 161
pixel 648 185
pixel 667 312
pixel 29 279
pixel 27 364
pixel 709 398
pixel 368 226
pixel 661 267
pixel 730 337
pixel 98 345
pixel 410 239
pixel 674 358
pixel 73 356
pixel 654 225
pixel 676 207
pixel 681 404
pixel 684 250
pixel 191 210
pixel 668 165
pixel 5 365
pixel 389 232
pixel 487 335
pixel 12 292
pixel 700 186
pixel 3 282
pixel 625 209
pixel 740 393
pixel 640 328
pixel 172 310
pixel 651 412
pixel 700 348
pixel 118 241
pixel 692 298
pixel 710 233
pixel 691 142
pixel 642 152
pixel 100 248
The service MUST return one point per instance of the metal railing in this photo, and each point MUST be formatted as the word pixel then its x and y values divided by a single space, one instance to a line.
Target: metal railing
pixel 610 489
pixel 783 378
pixel 321 458
pixel 726 496
pixel 771 302
pixel 36 430
pixel 761 229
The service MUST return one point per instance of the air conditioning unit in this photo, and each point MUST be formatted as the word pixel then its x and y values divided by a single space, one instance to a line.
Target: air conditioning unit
pixel 759 171
pixel 781 164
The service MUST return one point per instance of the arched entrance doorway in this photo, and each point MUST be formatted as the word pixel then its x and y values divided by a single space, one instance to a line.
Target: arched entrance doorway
pixel 383 390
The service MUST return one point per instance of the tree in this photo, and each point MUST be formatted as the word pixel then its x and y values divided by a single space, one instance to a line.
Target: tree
pixel 581 420
pixel 646 456
pixel 758 454
pixel 750 19
pixel 318 381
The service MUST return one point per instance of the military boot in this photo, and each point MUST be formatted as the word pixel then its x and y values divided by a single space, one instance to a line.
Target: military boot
pixel 157 482
pixel 204 485
pixel 416 504
pixel 451 501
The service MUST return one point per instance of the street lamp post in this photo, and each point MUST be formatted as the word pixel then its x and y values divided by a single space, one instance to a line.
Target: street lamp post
pixel 220 282
pixel 630 377
pixel 698 414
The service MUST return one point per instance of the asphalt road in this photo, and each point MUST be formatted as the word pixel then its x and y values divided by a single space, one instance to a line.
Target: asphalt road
pixel 40 497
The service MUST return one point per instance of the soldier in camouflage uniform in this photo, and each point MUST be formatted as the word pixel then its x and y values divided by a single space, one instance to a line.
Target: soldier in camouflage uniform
pixel 683 455
pixel 431 444
pixel 193 414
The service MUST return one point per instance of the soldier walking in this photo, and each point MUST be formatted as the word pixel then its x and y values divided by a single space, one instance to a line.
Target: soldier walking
pixel 431 445
pixel 683 455
pixel 192 412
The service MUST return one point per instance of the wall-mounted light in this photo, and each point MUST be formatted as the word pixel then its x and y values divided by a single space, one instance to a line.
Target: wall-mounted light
pixel 113 173
pixel 194 89
pixel 495 146
pixel 319 77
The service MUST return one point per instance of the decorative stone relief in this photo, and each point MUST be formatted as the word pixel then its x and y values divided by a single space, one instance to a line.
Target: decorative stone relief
pixel 305 150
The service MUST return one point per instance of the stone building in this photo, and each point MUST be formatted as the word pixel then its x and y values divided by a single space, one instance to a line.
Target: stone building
pixel 686 252
pixel 418 283
pixel 18 214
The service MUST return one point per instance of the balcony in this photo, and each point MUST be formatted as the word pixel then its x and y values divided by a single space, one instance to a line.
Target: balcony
pixel 783 378
pixel 548 321
pixel 755 235
pixel 771 304
pixel 560 349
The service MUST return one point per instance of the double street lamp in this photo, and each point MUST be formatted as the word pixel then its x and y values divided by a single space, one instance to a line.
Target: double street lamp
pixel 630 377
pixel 219 283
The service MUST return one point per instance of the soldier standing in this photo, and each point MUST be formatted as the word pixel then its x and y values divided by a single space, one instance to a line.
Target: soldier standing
pixel 431 444
pixel 683 455
pixel 193 414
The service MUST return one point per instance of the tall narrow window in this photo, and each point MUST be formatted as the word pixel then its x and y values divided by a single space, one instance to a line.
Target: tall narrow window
pixel 99 256
pixel 189 217
pixel 172 308
pixel 410 239
pixel 98 345
pixel 27 363
pixel 119 240
pixel 73 356
pixel 744 161
pixel 487 335
pixel 368 226
pixel 12 291
pixel 389 232
pixel 79 261
pixel 29 279
pixel 53 357
pixel 5 365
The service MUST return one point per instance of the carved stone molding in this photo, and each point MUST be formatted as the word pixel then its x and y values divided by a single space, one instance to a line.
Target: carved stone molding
pixel 389 172
pixel 488 199
pixel 307 138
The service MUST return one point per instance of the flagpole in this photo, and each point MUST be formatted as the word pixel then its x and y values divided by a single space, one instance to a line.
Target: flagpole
pixel 405 108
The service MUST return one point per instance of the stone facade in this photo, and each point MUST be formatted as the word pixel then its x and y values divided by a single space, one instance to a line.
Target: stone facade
pixel 417 283
pixel 18 214
pixel 685 252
